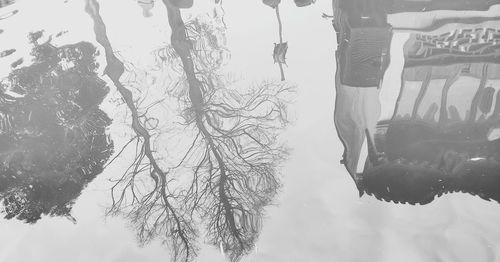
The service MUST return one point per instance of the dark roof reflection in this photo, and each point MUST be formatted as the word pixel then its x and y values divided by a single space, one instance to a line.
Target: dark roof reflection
pixel 443 135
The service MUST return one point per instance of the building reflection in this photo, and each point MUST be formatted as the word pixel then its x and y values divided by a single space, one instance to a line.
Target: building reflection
pixel 442 134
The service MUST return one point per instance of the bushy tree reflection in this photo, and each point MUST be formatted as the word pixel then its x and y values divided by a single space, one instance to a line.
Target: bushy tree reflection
pixel 443 134
pixel 228 172
pixel 52 132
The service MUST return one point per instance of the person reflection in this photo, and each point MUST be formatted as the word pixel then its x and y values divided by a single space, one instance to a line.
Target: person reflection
pixel 443 134
pixel 363 37
pixel 52 132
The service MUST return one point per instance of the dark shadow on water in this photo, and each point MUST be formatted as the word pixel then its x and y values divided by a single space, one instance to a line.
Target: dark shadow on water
pixel 52 132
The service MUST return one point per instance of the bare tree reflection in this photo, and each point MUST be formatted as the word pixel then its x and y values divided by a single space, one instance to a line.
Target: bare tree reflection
pixel 206 38
pixel 52 132
pixel 232 158
pixel 236 152
pixel 155 210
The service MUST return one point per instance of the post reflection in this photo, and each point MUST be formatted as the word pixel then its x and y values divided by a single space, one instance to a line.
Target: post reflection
pixel 280 49
pixel 441 136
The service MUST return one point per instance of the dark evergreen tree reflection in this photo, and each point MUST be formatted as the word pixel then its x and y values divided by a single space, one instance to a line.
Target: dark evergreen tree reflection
pixel 52 132
pixel 443 134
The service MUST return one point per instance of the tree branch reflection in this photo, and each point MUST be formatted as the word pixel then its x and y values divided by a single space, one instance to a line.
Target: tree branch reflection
pixel 235 148
pixel 233 156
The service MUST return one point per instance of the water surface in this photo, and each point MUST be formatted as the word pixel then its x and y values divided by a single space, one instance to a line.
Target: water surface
pixel 246 139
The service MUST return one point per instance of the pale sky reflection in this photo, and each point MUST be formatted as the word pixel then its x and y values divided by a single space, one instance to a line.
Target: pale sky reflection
pixel 318 216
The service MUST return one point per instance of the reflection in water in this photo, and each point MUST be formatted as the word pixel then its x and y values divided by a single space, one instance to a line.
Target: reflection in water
pixel 156 209
pixel 228 173
pixel 7 52
pixel 17 63
pixel 5 3
pixel 280 49
pixel 181 3
pixel 443 133
pixel 200 162
pixel 146 6
pixel 8 14
pixel 466 44
pixel 301 3
pixel 234 151
pixel 52 132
